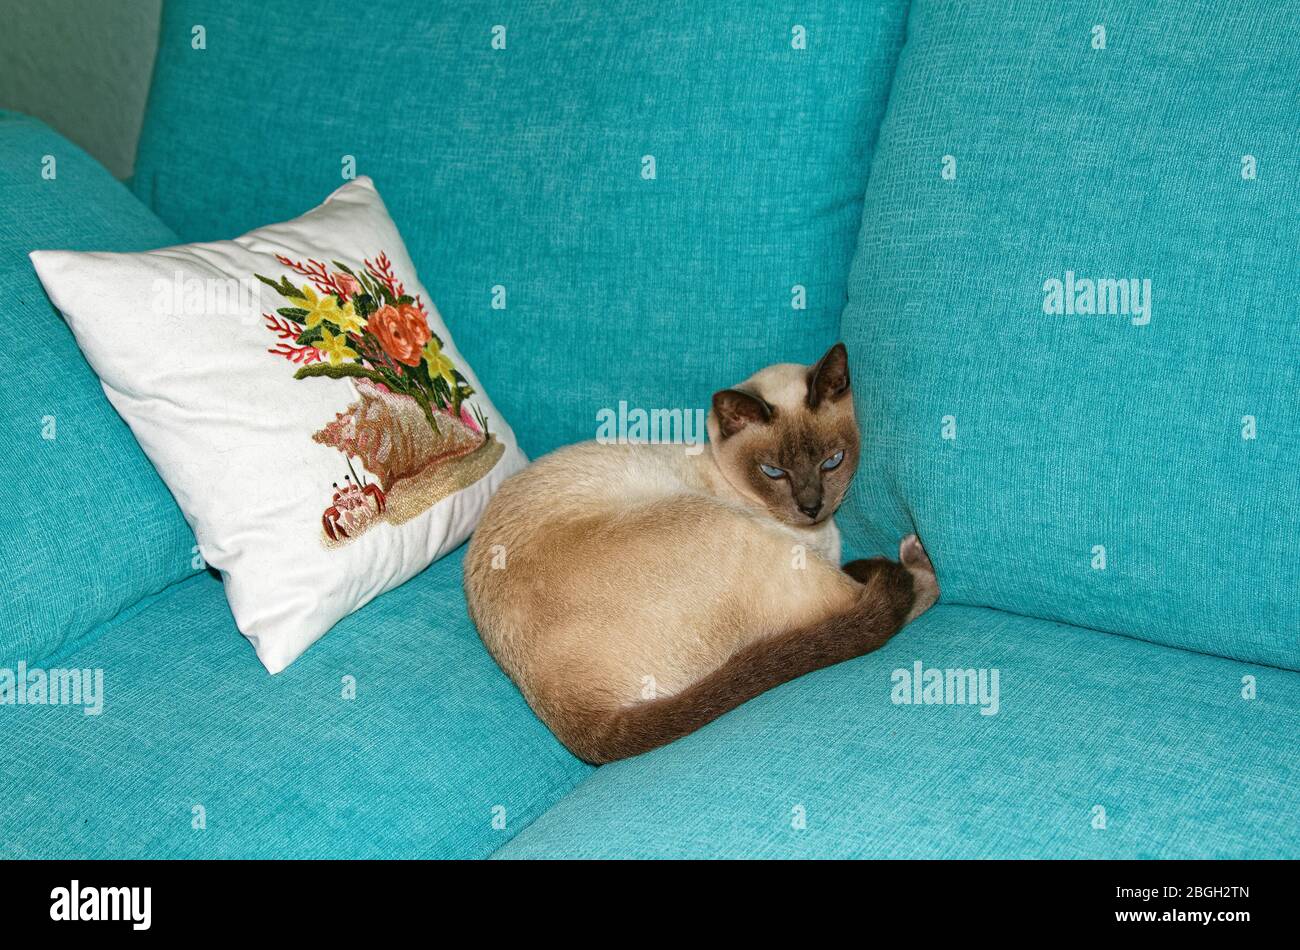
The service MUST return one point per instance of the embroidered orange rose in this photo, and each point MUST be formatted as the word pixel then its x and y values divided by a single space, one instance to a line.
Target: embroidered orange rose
pixel 402 332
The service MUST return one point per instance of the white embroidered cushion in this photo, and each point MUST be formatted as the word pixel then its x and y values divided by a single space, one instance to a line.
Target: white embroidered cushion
pixel 302 399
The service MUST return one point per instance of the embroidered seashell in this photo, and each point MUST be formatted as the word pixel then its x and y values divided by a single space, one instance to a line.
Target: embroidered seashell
pixel 391 435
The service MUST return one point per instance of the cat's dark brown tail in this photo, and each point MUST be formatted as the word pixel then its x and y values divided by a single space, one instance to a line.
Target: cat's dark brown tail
pixel 890 598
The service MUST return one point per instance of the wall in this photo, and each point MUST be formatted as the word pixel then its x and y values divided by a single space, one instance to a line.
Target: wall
pixel 83 66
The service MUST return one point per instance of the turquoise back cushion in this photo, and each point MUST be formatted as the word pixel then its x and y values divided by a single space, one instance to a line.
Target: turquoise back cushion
pixel 1121 455
pixel 87 528
pixel 609 200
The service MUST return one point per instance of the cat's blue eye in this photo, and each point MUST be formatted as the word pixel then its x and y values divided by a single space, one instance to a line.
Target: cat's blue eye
pixel 771 471
pixel 834 461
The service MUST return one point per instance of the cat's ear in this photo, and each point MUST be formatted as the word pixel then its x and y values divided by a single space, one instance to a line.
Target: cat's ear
pixel 736 409
pixel 828 381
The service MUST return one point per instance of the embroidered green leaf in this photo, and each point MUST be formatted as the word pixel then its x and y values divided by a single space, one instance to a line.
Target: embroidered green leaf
pixel 377 288
pixel 338 372
pixel 283 287
pixel 463 389
pixel 297 314
pixel 310 336
pixel 442 392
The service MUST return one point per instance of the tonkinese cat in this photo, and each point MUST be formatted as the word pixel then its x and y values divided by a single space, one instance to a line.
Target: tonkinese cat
pixel 637 592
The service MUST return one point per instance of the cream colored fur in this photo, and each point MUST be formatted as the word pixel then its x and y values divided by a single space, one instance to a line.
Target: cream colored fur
pixel 621 573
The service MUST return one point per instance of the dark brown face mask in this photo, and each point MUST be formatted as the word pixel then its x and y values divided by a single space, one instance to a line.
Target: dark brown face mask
pixel 797 460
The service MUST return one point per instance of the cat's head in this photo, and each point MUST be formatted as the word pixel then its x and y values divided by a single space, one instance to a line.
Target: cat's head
pixel 786 438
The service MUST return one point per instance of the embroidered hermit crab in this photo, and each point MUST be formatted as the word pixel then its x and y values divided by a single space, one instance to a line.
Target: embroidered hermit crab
pixel 351 510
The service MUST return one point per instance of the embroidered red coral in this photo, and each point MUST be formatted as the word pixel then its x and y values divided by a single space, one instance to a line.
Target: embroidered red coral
pixel 382 270
pixel 287 330
pixel 306 355
pixel 284 329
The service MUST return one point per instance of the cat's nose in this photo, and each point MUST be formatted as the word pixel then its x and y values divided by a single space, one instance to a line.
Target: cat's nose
pixel 811 510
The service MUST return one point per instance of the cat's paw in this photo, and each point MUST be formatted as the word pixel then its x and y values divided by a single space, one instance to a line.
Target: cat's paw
pixel 925 585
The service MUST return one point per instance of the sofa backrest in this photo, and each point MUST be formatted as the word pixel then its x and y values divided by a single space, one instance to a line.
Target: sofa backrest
pixel 1074 313
pixel 87 528
pixel 611 201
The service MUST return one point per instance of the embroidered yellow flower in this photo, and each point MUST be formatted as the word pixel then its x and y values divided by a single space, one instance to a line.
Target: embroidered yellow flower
pixel 439 363
pixel 348 321
pixel 335 347
pixel 327 309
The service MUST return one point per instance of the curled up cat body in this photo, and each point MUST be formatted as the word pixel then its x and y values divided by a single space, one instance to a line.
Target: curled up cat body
pixel 637 592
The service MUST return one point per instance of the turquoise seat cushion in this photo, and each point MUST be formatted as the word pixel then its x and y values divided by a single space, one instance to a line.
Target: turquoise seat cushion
pixel 1070 449
pixel 436 756
pixel 519 176
pixel 87 528
pixel 1101 746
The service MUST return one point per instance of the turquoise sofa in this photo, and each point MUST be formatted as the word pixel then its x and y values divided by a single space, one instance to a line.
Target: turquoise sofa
pixel 667 197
